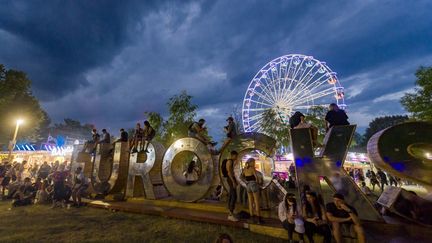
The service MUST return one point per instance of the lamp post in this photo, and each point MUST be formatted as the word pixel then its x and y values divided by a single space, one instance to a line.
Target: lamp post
pixel 13 142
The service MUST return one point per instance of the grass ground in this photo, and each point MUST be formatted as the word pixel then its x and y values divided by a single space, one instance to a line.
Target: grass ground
pixel 43 224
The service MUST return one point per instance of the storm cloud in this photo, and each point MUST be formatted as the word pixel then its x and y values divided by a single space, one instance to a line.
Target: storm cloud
pixel 106 62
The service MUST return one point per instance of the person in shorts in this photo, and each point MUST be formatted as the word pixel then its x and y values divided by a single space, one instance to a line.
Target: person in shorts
pixel 340 214
pixel 249 175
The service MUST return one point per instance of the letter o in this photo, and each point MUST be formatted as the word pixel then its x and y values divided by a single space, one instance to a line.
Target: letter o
pixel 403 151
pixel 243 144
pixel 204 184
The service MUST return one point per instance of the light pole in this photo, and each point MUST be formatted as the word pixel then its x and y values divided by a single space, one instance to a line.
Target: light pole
pixel 13 142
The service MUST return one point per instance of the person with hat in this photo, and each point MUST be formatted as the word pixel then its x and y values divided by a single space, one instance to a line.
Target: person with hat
pixel 339 213
pixel 290 218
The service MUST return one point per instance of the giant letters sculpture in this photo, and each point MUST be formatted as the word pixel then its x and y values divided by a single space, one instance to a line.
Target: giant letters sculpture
pixel 310 168
pixel 404 150
pixel 172 171
pixel 403 157
pixel 144 178
pixel 243 144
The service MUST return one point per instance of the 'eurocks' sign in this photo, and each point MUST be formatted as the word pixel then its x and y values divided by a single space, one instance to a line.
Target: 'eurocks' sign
pixel 160 173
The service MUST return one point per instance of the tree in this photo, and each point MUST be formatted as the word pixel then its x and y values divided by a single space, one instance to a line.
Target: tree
pixel 420 102
pixel 237 115
pixel 182 114
pixel 72 129
pixel 274 126
pixel 18 102
pixel 357 142
pixel 316 116
pixel 381 123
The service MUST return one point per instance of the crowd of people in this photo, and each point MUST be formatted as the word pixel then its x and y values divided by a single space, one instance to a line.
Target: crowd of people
pixel 53 183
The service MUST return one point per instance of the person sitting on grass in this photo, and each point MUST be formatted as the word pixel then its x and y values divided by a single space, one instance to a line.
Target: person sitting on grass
pixel 341 214
pixel 38 183
pixel 288 215
pixel 59 192
pixel 80 185
pixel 42 195
pixel 25 194
pixel 13 187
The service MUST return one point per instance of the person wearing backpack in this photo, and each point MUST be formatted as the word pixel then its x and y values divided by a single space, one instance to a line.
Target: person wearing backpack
pixel 228 173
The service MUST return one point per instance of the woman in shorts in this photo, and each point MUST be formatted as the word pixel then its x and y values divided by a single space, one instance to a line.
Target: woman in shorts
pixel 250 177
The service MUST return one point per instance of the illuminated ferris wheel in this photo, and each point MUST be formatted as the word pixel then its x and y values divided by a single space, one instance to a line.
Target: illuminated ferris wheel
pixel 287 84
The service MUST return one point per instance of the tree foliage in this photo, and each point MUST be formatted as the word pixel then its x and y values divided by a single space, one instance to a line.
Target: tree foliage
pixel 237 115
pixel 381 123
pixel 420 102
pixel 72 129
pixel 157 122
pixel 182 113
pixel 273 126
pixel 18 102
pixel 315 116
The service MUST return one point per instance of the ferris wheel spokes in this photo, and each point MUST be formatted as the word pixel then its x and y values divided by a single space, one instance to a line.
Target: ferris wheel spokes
pixel 318 82
pixel 288 83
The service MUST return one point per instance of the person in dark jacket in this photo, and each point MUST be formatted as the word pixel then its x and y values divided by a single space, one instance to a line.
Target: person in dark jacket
pixel 335 117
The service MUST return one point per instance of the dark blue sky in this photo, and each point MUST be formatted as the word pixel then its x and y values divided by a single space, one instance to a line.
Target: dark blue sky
pixel 106 62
